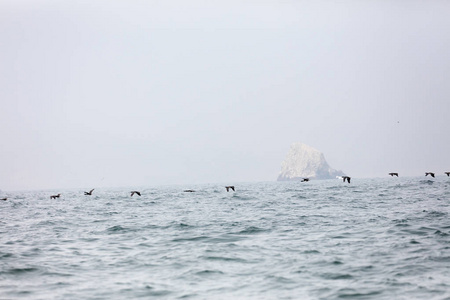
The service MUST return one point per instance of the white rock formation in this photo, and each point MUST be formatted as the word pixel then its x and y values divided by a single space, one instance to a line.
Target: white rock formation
pixel 304 161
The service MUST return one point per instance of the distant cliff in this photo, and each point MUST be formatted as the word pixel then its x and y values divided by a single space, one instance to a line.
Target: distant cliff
pixel 304 161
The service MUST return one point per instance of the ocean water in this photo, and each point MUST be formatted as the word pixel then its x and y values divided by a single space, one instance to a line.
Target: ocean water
pixel 372 239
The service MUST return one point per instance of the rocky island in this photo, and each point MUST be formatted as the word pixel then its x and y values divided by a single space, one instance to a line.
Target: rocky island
pixel 303 161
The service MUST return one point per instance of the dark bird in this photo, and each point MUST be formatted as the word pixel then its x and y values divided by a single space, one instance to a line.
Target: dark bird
pixel 346 178
pixel 4 199
pixel 393 174
pixel 188 191
pixel 55 196
pixel 135 192
pixel 305 179
pixel 89 193
pixel 230 187
pixel 448 173
pixel 429 173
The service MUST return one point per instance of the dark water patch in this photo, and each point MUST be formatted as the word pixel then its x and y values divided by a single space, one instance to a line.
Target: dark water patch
pixel 100 220
pixel 6 255
pixel 336 187
pixel 149 202
pixel 191 239
pixel 311 252
pixel 353 294
pixel 415 232
pixel 252 230
pixel 120 229
pixel 144 292
pixel 226 259
pixel 445 259
pixel 146 245
pixel 155 227
pixel 342 236
pixel 116 228
pixel 437 214
pixel 182 226
pixel 366 268
pixel 426 182
pixel 32 252
pixel 358 191
pixel 336 276
pixel 208 273
pixel 241 197
pixel 46 223
pixel 14 242
pixel 188 296
pixel 58 274
pixel 227 238
pixel 440 233
pixel 20 271
pixel 280 280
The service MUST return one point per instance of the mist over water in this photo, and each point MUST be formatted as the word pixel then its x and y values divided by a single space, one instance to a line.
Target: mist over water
pixel 372 239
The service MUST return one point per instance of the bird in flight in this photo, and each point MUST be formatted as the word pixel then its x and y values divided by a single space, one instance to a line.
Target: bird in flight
pixel 230 187
pixel 89 193
pixel 393 174
pixel 447 173
pixel 429 173
pixel 135 192
pixel 55 196
pixel 4 199
pixel 346 178
pixel 305 179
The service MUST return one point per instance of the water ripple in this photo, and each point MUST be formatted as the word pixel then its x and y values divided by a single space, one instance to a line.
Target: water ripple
pixel 372 239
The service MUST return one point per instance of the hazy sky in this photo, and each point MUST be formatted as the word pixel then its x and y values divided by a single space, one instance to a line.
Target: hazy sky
pixel 124 93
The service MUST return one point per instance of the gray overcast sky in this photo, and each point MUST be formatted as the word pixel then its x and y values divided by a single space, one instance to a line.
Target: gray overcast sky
pixel 124 93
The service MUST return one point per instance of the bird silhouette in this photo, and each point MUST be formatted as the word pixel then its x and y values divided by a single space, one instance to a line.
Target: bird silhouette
pixel 89 193
pixel 230 187
pixel 305 179
pixel 447 173
pixel 4 199
pixel 393 174
pixel 346 178
pixel 55 196
pixel 135 192
pixel 188 191
pixel 429 173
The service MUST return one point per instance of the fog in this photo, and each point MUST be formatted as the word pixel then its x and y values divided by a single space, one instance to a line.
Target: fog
pixel 144 93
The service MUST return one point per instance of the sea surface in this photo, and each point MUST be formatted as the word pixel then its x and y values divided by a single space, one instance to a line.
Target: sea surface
pixel 385 238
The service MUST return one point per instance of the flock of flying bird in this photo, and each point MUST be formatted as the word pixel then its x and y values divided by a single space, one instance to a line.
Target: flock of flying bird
pixel 231 187
pixel 344 178
pixel 89 194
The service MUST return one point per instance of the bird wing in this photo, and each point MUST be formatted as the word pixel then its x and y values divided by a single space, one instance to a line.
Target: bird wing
pixel 138 193
pixel 232 188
